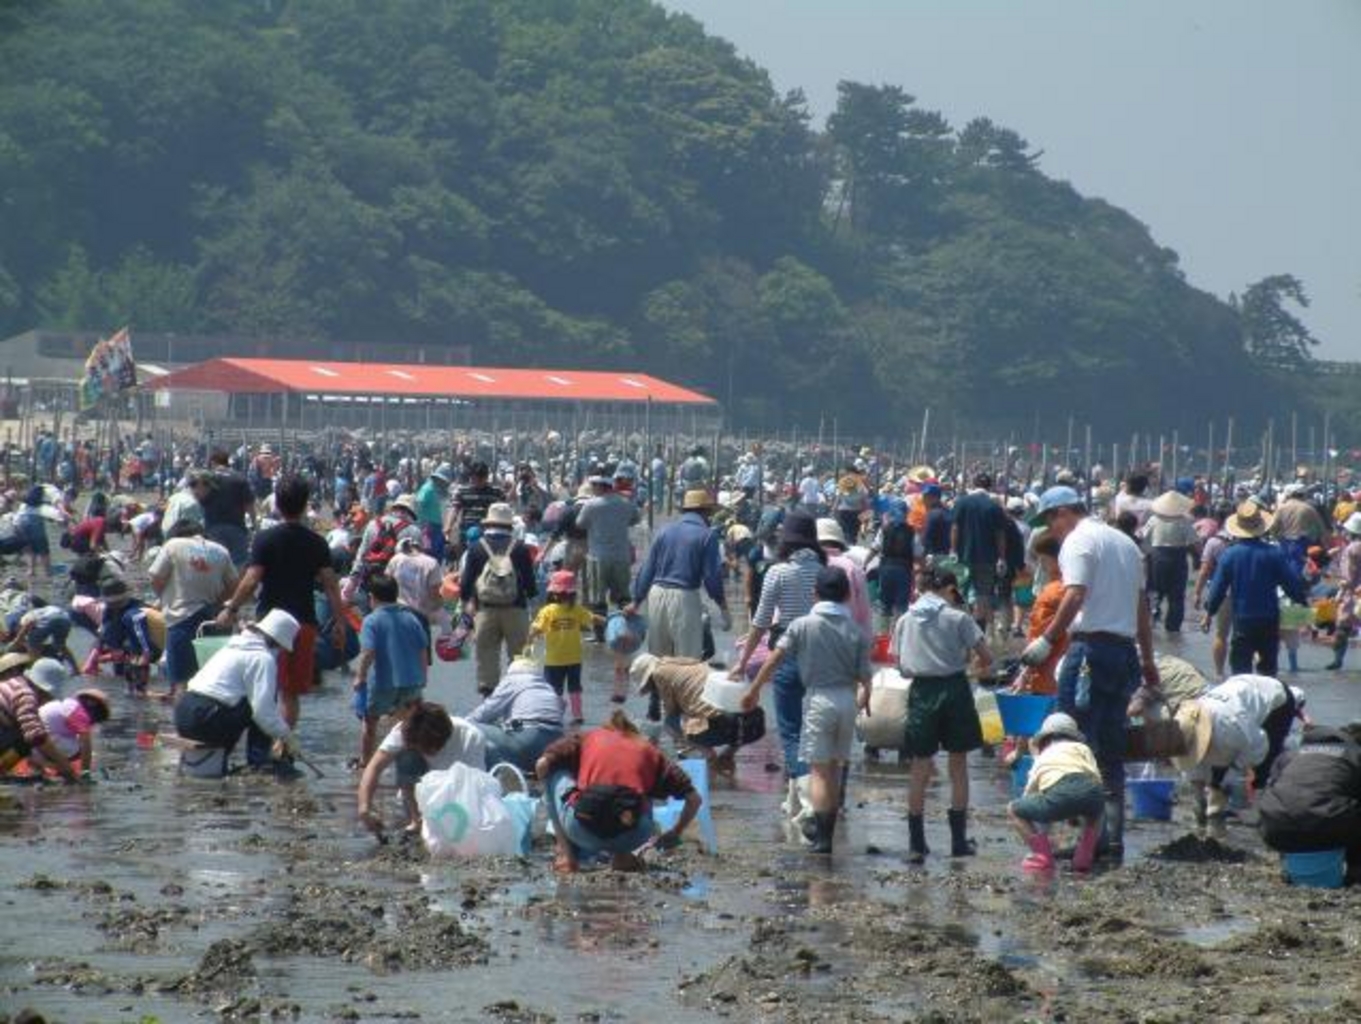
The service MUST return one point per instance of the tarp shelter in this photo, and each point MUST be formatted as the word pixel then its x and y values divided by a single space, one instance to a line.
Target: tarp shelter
pixel 307 394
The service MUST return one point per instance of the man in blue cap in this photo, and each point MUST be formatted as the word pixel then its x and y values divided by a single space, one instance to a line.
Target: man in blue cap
pixel 1112 638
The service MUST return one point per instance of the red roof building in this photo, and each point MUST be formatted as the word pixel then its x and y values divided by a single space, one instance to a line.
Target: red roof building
pixel 468 383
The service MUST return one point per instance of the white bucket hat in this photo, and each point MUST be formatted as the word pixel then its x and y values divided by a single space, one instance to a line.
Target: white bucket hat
pixel 640 672
pixel 279 626
pixel 1353 524
pixel 48 675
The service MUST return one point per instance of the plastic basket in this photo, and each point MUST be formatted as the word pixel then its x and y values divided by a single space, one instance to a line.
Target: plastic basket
pixel 1152 798
pixel 1020 775
pixel 1320 869
pixel 1023 713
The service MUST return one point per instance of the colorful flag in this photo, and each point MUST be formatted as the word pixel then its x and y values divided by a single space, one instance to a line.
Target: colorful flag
pixel 109 369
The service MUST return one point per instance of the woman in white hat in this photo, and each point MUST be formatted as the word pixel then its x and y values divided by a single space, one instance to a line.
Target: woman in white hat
pixel 1349 571
pixel 236 691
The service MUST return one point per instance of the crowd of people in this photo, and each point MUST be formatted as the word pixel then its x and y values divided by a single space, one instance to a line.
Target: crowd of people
pixel 380 564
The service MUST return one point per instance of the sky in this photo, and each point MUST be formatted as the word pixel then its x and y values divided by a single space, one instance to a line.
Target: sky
pixel 1232 128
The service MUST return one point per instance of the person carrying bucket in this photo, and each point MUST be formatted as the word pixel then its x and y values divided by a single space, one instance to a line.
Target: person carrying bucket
pixel 1064 783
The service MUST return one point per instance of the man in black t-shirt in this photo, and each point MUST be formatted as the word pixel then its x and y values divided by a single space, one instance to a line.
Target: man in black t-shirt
pixel 286 561
pixel 226 506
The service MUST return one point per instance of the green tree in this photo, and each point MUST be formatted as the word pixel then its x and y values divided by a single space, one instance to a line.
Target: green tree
pixel 1273 335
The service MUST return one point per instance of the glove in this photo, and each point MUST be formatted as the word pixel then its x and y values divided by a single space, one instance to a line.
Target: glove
pixel 1036 652
pixel 724 619
pixel 1002 567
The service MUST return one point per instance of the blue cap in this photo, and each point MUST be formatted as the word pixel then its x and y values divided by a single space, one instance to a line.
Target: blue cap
pixel 931 489
pixel 1055 497
pixel 1186 485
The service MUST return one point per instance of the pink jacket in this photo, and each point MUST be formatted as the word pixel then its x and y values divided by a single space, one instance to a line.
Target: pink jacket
pixel 859 603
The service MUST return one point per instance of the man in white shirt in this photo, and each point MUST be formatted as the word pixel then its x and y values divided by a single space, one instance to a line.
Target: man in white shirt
pixel 237 691
pixel 192 576
pixel 1112 638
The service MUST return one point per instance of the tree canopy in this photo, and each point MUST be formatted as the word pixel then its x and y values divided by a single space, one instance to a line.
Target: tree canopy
pixel 583 183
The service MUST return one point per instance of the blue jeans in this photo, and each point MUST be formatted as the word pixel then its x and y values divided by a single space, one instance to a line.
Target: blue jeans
pixel 1115 674
pixel 895 588
pixel 180 660
pixel 520 747
pixel 788 689
pixel 560 786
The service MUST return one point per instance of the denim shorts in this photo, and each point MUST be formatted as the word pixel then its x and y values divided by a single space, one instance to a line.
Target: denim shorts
pixel 1073 796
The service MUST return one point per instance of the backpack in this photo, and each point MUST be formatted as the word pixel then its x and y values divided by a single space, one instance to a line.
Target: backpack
pixel 607 811
pixel 381 549
pixel 498 585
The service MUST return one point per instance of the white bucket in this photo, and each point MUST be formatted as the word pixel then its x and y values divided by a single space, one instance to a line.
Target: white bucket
pixel 886 724
pixel 203 762
pixel 724 693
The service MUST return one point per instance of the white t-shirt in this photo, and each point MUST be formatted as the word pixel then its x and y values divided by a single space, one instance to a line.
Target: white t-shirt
pixel 810 491
pixel 200 571
pixel 1111 567
pixel 465 746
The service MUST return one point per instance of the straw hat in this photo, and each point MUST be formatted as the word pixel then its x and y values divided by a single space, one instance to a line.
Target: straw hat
pixel 830 532
pixel 97 696
pixel 404 501
pixel 1249 521
pixel 499 514
pixel 1353 524
pixel 921 474
pixel 279 626
pixel 10 662
pixel 1197 730
pixel 697 500
pixel 1171 505
pixel 640 672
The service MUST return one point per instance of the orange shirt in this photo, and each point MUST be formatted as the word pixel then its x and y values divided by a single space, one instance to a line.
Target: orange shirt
pixel 1042 679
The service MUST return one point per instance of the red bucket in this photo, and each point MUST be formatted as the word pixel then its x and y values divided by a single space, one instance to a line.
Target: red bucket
pixel 880 654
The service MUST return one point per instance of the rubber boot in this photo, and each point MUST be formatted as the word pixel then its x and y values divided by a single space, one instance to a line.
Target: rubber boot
pixel 1340 643
pixel 916 839
pixel 1041 853
pixel 1293 657
pixel 1115 830
pixel 960 843
pixel 1085 853
pixel 822 837
pixel 574 702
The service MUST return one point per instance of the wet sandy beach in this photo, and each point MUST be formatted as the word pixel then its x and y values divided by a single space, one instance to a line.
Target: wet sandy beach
pixel 150 896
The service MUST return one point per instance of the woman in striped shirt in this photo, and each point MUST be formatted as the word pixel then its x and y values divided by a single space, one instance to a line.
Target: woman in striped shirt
pixel 787 592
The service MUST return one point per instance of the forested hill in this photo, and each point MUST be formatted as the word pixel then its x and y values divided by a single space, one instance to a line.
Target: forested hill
pixel 575 183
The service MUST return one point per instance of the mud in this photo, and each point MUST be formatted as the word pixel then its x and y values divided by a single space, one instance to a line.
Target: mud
pixel 165 899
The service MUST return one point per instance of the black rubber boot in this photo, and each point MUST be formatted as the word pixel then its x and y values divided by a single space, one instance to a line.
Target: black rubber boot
pixel 960 843
pixel 1339 652
pixel 916 839
pixel 822 836
pixel 1112 846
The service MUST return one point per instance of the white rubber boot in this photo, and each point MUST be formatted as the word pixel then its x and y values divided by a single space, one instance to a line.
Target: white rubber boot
pixel 803 796
pixel 790 805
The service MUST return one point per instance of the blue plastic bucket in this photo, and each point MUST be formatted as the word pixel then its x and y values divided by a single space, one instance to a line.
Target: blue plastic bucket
pixel 1321 869
pixel 1020 775
pixel 1152 798
pixel 1023 713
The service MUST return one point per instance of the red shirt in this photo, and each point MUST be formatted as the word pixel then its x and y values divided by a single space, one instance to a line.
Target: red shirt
pixel 609 757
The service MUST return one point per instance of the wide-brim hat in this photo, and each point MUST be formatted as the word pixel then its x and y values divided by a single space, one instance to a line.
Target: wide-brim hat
pixel 697 500
pixel 48 675
pixel 98 696
pixel 921 474
pixel 1171 504
pixel 499 514
pixel 1059 725
pixel 830 532
pixel 800 528
pixel 640 672
pixel 406 501
pixel 1353 524
pixel 1250 521
pixel 585 490
pixel 1197 731
pixel 12 661
pixel 279 626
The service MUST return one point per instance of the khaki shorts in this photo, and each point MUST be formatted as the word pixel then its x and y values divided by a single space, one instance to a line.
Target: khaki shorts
pixel 828 725
pixel 607 583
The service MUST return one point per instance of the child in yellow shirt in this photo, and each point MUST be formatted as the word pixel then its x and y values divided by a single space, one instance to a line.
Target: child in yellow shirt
pixel 1064 783
pixel 561 622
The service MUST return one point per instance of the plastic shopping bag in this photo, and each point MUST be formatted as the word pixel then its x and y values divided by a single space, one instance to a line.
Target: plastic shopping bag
pixel 464 815
pixel 666 814
pixel 624 634
pixel 523 808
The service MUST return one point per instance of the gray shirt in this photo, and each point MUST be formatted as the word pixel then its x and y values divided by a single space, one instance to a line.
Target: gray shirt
pixel 606 520
pixel 833 653
pixel 524 696
pixel 934 639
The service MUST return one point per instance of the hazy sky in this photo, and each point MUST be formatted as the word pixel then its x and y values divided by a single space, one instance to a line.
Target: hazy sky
pixel 1231 127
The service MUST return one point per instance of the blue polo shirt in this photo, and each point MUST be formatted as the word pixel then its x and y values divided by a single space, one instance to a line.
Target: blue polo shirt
pixel 398 639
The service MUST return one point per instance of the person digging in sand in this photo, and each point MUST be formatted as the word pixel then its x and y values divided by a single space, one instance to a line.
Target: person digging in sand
pixel 1064 783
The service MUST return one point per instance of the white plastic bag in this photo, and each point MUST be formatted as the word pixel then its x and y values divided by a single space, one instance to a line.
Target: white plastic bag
pixel 885 727
pixel 463 815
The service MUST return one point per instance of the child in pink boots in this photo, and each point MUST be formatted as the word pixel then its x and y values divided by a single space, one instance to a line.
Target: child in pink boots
pixel 1064 784
pixel 560 622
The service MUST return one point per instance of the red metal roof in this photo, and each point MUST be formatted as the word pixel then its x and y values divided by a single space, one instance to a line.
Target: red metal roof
pixel 301 376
